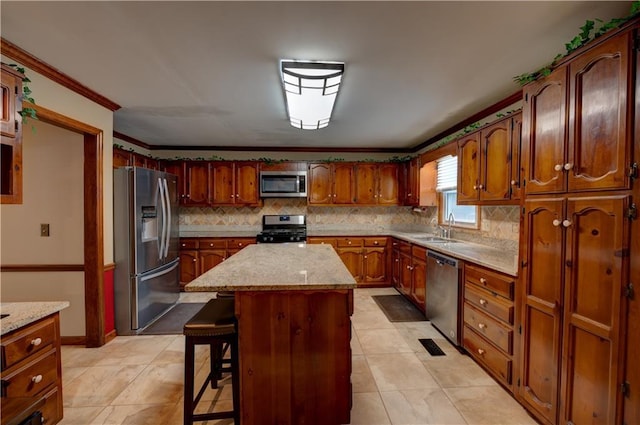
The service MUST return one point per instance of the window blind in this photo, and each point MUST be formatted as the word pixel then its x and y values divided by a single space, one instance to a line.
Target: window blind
pixel 447 173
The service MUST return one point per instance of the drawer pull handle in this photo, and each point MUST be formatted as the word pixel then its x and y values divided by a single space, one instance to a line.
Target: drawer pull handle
pixel 483 280
pixel 194 260
pixel 482 325
pixel 36 379
pixel 483 301
pixel 480 351
pixel 375 242
pixel 558 167
pixel 36 342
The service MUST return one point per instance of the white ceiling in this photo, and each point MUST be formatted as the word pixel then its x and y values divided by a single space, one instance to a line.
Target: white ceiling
pixel 206 73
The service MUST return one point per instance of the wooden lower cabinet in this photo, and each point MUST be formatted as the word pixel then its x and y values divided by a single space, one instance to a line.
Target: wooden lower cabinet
pixel 409 271
pixel 574 307
pixel 199 255
pixel 32 366
pixel 366 258
pixel 488 321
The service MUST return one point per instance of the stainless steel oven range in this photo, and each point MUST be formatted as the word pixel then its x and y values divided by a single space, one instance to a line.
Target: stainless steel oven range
pixel 283 228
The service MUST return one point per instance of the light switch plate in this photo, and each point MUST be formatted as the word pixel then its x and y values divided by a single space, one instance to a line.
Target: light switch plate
pixel 44 230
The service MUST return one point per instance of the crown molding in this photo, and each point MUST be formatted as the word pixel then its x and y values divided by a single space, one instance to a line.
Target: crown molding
pixel 25 58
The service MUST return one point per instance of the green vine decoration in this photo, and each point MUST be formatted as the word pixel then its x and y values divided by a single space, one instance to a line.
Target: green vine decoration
pixel 25 113
pixel 588 32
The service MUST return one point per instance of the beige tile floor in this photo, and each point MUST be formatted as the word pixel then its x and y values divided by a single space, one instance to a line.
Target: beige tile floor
pixel 138 380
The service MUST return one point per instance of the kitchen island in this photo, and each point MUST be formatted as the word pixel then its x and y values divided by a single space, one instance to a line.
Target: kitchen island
pixel 294 304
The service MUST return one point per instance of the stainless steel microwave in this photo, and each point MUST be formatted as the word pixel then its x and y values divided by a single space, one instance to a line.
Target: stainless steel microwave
pixel 283 184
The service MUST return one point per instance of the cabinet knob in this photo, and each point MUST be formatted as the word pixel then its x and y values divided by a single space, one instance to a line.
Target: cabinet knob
pixel 483 280
pixel 409 195
pixel 568 166
pixel 514 183
pixel 375 242
pixel 210 244
pixel 558 167
pixel 556 222
pixel 36 379
pixel 194 260
pixel 184 244
pixel 232 196
pixel 37 341
pixel 349 242
pixel 480 187
pixel 365 256
pixel 567 223
pixel 188 196
pixel 482 325
pixel 483 301
pixel 480 351
pixel 237 195
pixel 239 243
pixel 397 260
pixel 475 187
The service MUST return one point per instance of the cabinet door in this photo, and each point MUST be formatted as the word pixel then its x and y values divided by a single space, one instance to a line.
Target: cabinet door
pixel 406 265
pixel 151 164
pixel 197 183
pixel 495 166
pixel 428 182
pixel 516 164
pixel 395 265
pixel 139 160
pixel 121 158
pixel 320 184
pixel 10 86
pixel 344 183
pixel 412 188
pixel 542 306
pixel 177 169
pixel 247 183
pixel 544 129
pixel 210 258
pixel 366 187
pixel 375 270
pixel 469 168
pixel 597 232
pixel 189 267
pixel 352 258
pixel 419 282
pixel 599 137
pixel 388 184
pixel 222 190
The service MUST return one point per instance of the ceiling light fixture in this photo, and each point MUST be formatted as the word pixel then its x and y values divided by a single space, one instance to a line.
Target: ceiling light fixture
pixel 310 89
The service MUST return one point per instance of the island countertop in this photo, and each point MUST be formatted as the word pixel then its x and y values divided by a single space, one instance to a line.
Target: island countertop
pixel 23 313
pixel 275 267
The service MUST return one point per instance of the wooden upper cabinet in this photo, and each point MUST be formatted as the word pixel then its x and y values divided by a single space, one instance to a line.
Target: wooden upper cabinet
pixel 121 158
pixel 599 146
pixel 246 183
pixel 428 183
pixel 582 141
pixel 388 183
pixel 177 168
pixel 234 183
pixel 468 168
pixel 331 183
pixel 411 182
pixel 516 157
pixel 11 137
pixel 485 163
pixel 376 183
pixel 320 184
pixel 196 183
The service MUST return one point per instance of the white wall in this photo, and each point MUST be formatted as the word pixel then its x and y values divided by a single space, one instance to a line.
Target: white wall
pixel 52 194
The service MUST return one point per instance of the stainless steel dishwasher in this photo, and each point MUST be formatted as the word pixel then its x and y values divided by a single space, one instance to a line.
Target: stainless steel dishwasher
pixel 443 294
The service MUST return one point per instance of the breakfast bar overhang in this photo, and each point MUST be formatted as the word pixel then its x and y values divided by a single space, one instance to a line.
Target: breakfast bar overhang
pixel 294 304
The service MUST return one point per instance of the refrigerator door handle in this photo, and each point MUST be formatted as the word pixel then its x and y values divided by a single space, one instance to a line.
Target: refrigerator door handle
pixel 168 221
pixel 163 236
pixel 159 273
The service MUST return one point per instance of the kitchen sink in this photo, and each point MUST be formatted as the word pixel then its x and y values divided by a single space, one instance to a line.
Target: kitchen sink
pixel 435 239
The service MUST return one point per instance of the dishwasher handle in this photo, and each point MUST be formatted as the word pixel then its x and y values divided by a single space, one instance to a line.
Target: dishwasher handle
pixel 443 260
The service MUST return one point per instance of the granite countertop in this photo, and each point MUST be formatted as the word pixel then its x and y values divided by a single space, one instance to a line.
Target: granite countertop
pixel 493 258
pixel 275 267
pixel 24 313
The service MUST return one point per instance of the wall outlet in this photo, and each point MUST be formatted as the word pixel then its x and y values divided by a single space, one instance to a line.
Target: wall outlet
pixel 44 230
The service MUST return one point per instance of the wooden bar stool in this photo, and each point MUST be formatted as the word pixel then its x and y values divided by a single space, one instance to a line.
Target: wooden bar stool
pixel 214 325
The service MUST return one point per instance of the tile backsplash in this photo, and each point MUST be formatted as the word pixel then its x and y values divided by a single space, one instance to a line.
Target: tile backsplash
pixel 499 225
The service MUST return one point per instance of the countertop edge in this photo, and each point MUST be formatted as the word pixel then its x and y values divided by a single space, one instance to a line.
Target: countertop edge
pixel 22 314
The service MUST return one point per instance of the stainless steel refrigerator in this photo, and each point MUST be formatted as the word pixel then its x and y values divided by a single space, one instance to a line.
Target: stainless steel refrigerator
pixel 146 280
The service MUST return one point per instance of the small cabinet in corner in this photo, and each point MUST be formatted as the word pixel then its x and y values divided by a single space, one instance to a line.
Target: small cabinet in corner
pixel 11 137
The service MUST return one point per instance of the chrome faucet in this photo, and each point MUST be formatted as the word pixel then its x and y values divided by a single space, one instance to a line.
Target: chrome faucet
pixel 450 220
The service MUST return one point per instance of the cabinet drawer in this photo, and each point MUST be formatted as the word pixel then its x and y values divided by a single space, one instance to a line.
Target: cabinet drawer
pixel 349 242
pixel 402 246
pixel 207 243
pixel 488 355
pixel 34 377
pixel 30 340
pixel 490 328
pixel 188 243
pixel 239 243
pixel 375 242
pixel 52 409
pixel 321 240
pixel 490 303
pixel 492 281
pixel 419 251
